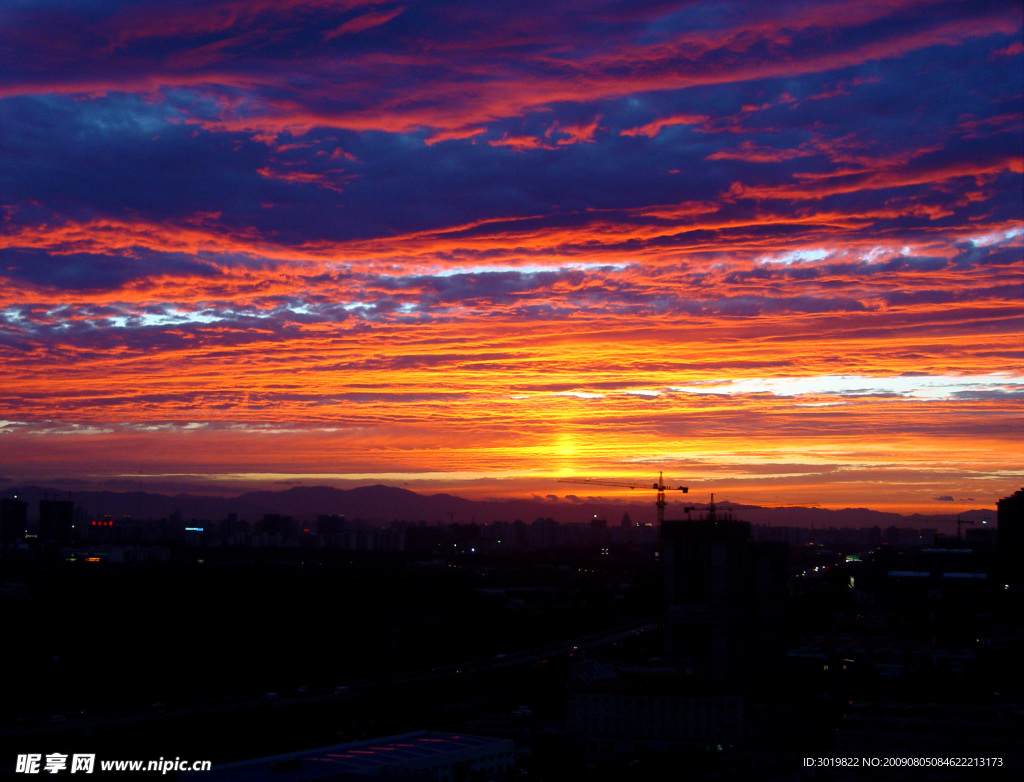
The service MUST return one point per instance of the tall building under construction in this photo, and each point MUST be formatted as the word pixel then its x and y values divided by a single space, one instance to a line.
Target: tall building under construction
pixel 725 598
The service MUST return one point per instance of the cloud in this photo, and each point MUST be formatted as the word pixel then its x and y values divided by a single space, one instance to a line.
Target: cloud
pixel 457 233
pixel 363 22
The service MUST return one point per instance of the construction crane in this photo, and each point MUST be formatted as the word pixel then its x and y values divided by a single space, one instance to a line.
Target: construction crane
pixel 660 487
pixel 712 508
pixel 959 526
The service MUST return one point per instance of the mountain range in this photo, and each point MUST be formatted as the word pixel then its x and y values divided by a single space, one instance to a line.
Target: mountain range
pixel 379 503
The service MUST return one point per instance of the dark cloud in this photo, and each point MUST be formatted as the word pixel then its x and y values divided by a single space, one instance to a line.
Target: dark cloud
pixel 143 155
pixel 83 272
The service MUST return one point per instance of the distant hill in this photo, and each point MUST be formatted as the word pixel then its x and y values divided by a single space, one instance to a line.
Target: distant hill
pixel 381 503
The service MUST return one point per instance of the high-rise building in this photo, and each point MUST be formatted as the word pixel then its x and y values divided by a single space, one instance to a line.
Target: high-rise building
pixel 725 598
pixel 1010 522
pixel 56 519
pixel 598 531
pixel 13 519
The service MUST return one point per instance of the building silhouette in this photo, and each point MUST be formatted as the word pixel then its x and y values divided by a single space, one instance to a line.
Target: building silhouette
pixel 56 520
pixel 13 519
pixel 626 708
pixel 725 598
pixel 1010 522
pixel 724 624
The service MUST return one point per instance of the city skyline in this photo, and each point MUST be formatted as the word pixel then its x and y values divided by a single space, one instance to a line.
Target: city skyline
pixel 773 251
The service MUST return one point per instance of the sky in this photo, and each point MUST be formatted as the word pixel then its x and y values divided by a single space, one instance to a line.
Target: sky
pixel 774 250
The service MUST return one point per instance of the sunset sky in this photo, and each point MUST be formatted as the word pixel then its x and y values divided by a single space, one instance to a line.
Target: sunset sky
pixel 775 250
